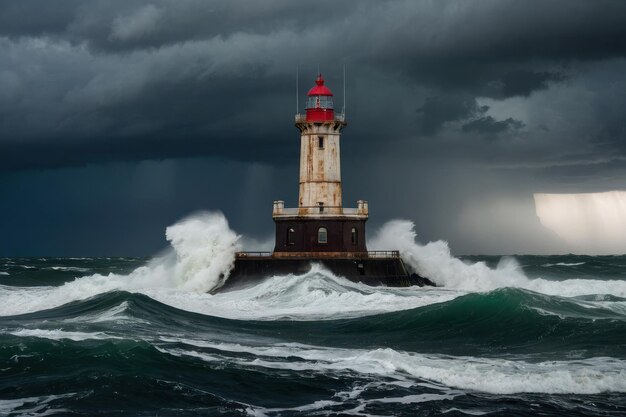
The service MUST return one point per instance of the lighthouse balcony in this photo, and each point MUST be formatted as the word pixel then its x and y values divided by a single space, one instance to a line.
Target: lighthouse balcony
pixel 280 211
pixel 301 118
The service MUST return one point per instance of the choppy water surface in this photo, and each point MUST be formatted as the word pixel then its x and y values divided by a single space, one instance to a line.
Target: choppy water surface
pixel 529 335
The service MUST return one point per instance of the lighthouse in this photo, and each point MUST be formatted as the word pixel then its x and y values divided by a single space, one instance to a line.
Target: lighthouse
pixel 320 230
pixel 320 223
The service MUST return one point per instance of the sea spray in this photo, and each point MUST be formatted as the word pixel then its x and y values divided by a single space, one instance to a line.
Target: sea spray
pixel 315 295
pixel 435 261
pixel 205 251
pixel 202 253
pixel 201 256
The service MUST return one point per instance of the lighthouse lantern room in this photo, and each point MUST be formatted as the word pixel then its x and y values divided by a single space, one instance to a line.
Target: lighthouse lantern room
pixel 320 223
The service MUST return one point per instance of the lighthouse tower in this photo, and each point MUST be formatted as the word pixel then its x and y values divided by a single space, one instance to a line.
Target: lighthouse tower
pixel 320 230
pixel 320 224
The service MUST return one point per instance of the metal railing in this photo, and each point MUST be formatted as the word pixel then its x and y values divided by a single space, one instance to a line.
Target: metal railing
pixel 280 210
pixel 294 211
pixel 383 254
pixel 338 118
pixel 253 254
pixel 312 210
pixel 369 254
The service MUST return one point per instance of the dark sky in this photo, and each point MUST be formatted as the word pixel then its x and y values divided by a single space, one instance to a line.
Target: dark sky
pixel 118 118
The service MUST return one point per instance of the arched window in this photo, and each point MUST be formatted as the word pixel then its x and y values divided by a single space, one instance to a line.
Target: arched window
pixel 290 236
pixel 322 235
pixel 355 236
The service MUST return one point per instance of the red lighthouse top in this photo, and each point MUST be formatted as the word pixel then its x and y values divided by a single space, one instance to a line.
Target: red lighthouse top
pixel 319 104
pixel 320 89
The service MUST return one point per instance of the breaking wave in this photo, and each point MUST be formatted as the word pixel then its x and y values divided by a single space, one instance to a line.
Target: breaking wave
pixel 203 251
pixel 435 261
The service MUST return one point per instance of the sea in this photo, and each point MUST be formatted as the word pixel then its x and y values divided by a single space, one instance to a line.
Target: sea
pixel 514 335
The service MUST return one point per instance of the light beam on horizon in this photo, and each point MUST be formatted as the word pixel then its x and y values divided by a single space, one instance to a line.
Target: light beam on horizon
pixel 592 223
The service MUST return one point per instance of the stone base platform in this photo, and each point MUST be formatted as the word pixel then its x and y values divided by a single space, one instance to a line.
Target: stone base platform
pixel 370 268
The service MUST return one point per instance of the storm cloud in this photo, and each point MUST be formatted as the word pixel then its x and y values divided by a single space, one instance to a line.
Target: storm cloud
pixel 468 105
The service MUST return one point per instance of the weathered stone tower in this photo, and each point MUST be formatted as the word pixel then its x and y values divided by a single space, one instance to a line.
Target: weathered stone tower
pixel 320 223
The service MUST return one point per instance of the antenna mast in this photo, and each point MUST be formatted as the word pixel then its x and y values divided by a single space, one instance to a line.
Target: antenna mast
pixel 297 89
pixel 343 111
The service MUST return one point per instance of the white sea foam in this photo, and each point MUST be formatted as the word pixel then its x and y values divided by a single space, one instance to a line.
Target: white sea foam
pixel 36 404
pixel 320 295
pixel 69 268
pixel 4 273
pixel 116 313
pixel 565 264
pixel 497 376
pixel 58 334
pixel 464 411
pixel 435 261
pixel 202 254
pixel 315 295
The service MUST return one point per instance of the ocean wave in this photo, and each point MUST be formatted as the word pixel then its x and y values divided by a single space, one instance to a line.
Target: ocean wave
pixel 316 295
pixel 496 376
pixel 69 268
pixel 36 404
pixel 435 261
pixel 202 254
pixel 312 296
pixel 565 264
pixel 58 334
pixel 359 410
pixel 505 321
pixel 319 295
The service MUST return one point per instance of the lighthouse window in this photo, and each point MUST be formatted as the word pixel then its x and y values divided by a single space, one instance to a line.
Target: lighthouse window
pixel 290 236
pixel 326 102
pixel 319 102
pixel 355 236
pixel 322 235
pixel 320 142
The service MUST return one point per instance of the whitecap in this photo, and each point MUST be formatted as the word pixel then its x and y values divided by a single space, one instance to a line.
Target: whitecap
pixel 58 334
pixel 565 264
pixel 496 376
pixel 69 268
pixel 435 261
pixel 202 254
pixel 203 251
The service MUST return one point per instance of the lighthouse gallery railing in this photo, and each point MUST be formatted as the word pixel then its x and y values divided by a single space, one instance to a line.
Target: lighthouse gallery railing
pixel 302 118
pixel 368 254
pixel 294 211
